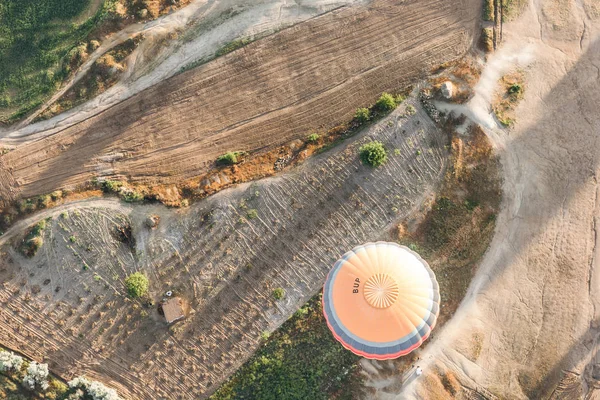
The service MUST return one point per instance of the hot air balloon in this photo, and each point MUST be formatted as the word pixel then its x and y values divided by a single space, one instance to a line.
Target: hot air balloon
pixel 381 300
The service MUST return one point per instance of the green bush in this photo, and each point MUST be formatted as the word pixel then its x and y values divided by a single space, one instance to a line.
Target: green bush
pixel 278 293
pixel 313 138
pixel 252 213
pixel 373 154
pixel 230 158
pixel 137 285
pixel 385 103
pixel 515 89
pixel 131 195
pixel 362 115
pixel 111 186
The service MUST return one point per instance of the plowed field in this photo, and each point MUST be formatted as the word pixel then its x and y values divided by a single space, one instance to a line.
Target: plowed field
pixel 225 255
pixel 308 77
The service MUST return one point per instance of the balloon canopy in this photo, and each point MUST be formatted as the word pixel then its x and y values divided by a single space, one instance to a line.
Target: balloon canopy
pixel 381 300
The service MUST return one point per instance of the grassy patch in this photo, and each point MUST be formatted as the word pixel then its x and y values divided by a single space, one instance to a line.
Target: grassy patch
pixel 486 41
pixel 511 9
pixel 301 360
pixel 232 46
pixel 511 92
pixel 103 74
pixel 40 43
pixel 488 10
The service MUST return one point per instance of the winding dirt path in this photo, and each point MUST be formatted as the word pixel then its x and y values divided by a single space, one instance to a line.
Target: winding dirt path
pixel 531 316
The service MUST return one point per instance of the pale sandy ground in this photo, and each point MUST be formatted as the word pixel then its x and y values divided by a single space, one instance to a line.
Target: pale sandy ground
pixel 531 315
pixel 171 42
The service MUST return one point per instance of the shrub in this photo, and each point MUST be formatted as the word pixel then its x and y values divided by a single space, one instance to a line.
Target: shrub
pixel 278 293
pixel 111 186
pixel 362 115
pixel 515 88
pixel 373 154
pixel 386 103
pixel 10 362
pixel 130 195
pixel 252 213
pixel 36 376
pixel 230 158
pixel 137 284
pixel 34 240
pixel 313 138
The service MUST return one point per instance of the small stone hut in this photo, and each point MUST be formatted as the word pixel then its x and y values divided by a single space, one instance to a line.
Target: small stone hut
pixel 173 309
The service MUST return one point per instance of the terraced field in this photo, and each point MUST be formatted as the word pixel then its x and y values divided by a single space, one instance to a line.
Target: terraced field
pixel 308 77
pixel 225 255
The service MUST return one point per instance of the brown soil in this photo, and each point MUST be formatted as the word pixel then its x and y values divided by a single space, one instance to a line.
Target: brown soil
pixel 308 77
pixel 224 254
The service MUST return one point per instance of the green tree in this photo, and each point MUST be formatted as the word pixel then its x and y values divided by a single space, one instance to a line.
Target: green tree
pixel 278 293
pixel 386 103
pixel 137 284
pixel 373 154
pixel 362 115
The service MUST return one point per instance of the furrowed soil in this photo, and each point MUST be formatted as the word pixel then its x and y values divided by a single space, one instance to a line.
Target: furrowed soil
pixel 224 255
pixel 307 78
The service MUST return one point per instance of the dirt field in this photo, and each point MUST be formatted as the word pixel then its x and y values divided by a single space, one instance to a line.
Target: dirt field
pixel 305 78
pixel 225 255
pixel 529 329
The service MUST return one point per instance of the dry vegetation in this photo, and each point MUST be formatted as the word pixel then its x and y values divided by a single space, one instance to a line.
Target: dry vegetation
pixel 229 103
pixel 512 88
pixel 459 226
pixel 103 74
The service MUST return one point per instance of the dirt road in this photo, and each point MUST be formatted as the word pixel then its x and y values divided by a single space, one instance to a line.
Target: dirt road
pixel 531 316
pixel 308 77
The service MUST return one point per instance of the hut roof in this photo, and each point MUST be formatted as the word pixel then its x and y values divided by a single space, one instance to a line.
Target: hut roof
pixel 173 309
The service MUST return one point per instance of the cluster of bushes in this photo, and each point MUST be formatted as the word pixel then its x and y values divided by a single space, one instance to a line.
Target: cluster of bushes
pixel 34 379
pixel 126 193
pixel 384 105
pixel 33 376
pixel 85 389
pixel 33 240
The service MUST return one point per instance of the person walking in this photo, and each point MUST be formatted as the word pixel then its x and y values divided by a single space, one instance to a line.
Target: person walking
pixel 419 371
